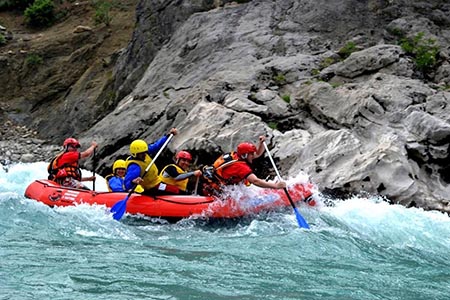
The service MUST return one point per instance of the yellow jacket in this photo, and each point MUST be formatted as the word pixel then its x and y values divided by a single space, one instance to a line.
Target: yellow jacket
pixel 151 179
pixel 181 184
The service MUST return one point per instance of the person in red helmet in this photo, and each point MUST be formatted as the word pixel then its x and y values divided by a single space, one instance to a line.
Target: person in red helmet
pixel 176 176
pixel 235 167
pixel 64 167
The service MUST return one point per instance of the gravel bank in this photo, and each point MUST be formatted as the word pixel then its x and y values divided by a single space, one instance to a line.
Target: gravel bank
pixel 20 144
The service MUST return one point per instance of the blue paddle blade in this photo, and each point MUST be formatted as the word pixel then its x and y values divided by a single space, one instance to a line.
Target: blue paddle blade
pixel 119 208
pixel 300 220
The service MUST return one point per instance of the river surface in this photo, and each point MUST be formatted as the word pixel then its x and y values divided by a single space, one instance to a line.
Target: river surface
pixel 360 248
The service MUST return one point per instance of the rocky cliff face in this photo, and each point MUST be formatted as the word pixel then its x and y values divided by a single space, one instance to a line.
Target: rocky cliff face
pixel 48 74
pixel 225 72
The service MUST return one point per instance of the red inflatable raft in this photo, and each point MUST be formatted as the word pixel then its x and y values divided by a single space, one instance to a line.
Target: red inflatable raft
pixel 173 206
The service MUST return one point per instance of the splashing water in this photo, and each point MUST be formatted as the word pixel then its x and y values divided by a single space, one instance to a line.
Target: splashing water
pixel 361 248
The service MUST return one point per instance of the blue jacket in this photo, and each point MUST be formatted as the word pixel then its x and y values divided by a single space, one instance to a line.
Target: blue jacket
pixel 116 184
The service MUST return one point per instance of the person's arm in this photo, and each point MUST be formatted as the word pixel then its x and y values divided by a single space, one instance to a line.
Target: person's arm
pixel 265 184
pixel 171 171
pixel 133 172
pixel 184 176
pixel 90 178
pixel 88 152
pixel 260 149
pixel 196 173
pixel 154 148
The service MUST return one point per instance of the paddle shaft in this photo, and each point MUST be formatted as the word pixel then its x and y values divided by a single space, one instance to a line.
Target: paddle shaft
pixel 94 166
pixel 271 160
pixel 278 174
pixel 279 178
pixel 196 185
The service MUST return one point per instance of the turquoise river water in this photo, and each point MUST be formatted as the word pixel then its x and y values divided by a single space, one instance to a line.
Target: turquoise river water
pixel 361 248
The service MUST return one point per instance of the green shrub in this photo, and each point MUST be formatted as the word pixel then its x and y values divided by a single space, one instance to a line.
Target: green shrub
pixel 286 98
pixel 396 31
pixel 423 51
pixel 2 40
pixel 40 14
pixel 279 79
pixel 33 60
pixel 326 62
pixel 273 125
pixel 5 4
pixel 315 72
pixel 166 94
pixel 15 4
pixel 335 84
pixel 343 53
pixel 348 49
pixel 102 9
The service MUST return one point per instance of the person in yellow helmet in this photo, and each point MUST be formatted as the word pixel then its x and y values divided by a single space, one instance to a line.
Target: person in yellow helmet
pixel 115 181
pixel 176 176
pixel 141 157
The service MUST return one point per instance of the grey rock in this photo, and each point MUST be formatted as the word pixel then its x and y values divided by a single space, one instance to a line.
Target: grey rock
pixel 368 60
pixel 27 158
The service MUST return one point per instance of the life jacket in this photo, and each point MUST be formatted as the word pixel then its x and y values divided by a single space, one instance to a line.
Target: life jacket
pixel 224 162
pixel 108 177
pixel 66 170
pixel 180 184
pixel 151 179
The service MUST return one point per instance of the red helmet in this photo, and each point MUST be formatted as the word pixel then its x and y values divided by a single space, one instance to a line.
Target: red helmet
pixel 71 142
pixel 184 155
pixel 245 148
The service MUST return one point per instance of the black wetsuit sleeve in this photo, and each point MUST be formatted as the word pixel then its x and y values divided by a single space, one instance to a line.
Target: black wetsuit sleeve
pixel 172 171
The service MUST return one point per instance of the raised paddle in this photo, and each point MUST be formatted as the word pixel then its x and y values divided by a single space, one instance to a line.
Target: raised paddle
pixel 300 220
pixel 120 207
pixel 94 166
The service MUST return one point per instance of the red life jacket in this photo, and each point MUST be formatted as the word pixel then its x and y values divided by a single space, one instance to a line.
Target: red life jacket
pixel 225 161
pixel 61 172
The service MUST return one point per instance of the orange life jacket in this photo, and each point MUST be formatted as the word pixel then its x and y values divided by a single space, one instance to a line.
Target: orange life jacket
pixel 66 170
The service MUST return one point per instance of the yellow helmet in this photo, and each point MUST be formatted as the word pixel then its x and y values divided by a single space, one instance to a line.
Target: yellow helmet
pixel 119 164
pixel 138 146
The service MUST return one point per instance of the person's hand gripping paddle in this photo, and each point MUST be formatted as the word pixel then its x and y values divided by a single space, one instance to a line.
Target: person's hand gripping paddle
pixel 300 220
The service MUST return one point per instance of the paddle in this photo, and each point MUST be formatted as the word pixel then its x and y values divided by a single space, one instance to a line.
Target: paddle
pixel 196 185
pixel 119 208
pixel 94 166
pixel 300 220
